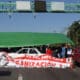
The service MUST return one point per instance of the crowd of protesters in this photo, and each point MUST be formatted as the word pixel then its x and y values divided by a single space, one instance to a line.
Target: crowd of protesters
pixel 60 51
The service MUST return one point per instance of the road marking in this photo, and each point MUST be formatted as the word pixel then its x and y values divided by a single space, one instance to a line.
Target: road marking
pixel 20 77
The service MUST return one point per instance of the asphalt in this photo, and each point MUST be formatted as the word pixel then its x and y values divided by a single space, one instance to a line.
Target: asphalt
pixel 39 74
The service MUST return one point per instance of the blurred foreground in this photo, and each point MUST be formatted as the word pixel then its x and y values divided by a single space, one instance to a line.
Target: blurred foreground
pixel 39 74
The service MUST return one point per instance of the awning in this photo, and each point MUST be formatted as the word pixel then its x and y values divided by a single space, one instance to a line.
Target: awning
pixel 20 39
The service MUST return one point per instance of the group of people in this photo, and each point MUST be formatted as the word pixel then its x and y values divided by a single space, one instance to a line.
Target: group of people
pixel 61 51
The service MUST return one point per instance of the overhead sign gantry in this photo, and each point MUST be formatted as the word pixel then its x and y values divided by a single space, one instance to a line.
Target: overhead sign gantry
pixel 39 6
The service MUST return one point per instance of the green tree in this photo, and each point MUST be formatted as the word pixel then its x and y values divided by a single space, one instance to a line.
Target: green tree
pixel 74 32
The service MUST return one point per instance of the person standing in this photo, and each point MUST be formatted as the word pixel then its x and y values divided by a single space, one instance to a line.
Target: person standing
pixel 49 51
pixel 69 51
pixel 63 51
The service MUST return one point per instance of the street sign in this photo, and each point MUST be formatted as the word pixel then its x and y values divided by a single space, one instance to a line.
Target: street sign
pixel 23 6
pixel 57 6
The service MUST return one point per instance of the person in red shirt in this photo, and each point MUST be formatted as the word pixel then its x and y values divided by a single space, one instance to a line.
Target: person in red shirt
pixel 49 51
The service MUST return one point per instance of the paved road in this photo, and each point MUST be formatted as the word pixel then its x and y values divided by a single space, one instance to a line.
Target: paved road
pixel 40 74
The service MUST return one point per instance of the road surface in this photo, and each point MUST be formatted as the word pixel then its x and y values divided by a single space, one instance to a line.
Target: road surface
pixel 39 74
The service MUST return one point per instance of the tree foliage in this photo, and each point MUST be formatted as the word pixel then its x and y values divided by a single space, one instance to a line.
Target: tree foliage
pixel 74 32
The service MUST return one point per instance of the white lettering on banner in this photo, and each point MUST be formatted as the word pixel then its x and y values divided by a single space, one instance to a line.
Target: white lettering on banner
pixel 33 63
pixel 40 63
pixel 43 57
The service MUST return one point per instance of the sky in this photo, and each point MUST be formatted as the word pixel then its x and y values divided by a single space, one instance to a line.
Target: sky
pixel 44 22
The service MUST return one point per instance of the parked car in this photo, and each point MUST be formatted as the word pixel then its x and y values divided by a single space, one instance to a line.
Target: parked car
pixel 32 57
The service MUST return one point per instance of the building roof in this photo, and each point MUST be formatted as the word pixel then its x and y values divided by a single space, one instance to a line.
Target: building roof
pixel 20 39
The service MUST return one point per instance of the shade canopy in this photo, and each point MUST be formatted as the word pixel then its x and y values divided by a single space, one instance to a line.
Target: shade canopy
pixel 20 39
